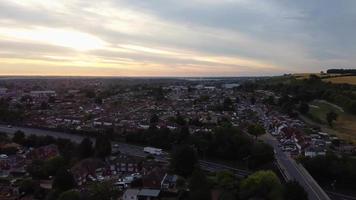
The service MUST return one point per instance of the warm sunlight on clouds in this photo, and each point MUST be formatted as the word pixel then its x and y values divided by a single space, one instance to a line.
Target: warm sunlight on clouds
pixel 66 38
pixel 173 38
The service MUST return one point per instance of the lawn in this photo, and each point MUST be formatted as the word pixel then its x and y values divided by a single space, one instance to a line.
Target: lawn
pixel 344 127
pixel 342 79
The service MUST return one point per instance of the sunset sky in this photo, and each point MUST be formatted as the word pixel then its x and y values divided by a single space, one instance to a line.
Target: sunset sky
pixel 175 37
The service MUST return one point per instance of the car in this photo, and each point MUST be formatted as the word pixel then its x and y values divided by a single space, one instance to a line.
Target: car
pixel 91 178
pixel 3 156
pixel 9 126
pixel 100 178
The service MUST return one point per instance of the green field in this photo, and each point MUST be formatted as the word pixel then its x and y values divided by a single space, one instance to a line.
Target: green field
pixel 344 127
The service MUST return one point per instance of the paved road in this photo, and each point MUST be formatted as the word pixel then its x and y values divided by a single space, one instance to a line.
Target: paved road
pixel 295 171
pixel 124 148
pixel 338 196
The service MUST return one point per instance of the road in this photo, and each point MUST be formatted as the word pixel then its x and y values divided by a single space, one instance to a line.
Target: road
pixel 293 170
pixel 124 148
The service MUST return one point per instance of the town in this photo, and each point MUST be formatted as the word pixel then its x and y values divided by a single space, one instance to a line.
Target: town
pixel 129 140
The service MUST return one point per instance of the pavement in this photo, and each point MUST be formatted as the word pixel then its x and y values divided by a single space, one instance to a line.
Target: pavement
pixel 295 171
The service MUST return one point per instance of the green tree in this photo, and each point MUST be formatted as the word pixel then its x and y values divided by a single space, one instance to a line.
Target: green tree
pixel 63 180
pixel 253 100
pixel 70 195
pixel 256 130
pixel 8 150
pixel 184 161
pixel 85 148
pixel 293 191
pixel 227 105
pixel 28 186
pixel 226 180
pixel 154 119
pixel 304 108
pixel 4 137
pixel 19 137
pixel 199 187
pixel 102 191
pixel 330 117
pixel 102 146
pixel 262 184
pixel 52 165
pixel 261 153
pixel 36 170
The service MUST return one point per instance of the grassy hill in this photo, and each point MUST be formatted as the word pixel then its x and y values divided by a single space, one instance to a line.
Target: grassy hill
pixel 344 127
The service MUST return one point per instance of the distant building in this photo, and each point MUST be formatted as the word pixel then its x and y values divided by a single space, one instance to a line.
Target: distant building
pixel 231 85
pixel 3 91
pixel 43 93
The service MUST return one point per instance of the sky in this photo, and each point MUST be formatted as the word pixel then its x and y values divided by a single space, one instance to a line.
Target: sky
pixel 175 37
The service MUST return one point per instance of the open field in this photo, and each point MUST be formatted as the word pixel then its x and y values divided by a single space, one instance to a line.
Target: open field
pixel 342 79
pixel 344 126
pixel 301 76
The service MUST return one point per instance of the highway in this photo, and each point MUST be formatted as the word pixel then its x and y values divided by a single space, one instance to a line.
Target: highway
pixel 124 148
pixel 293 170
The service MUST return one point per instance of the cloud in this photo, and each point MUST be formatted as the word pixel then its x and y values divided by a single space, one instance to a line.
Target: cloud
pixel 166 37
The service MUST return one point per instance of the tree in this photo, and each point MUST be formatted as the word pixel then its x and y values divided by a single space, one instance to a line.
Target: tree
pixel 184 161
pixel 35 169
pixel 256 130
pixel 293 191
pixel 253 100
pixel 102 191
pixel 199 187
pixel 28 186
pixel 262 184
pixel 51 99
pixel 154 119
pixel 226 180
pixel 31 141
pixel 4 137
pixel 330 117
pixel 86 148
pixel 261 153
pixel 270 100
pixel 102 147
pixel 227 105
pixel 63 180
pixel 98 100
pixel 69 195
pixel 180 120
pixel 19 137
pixel 44 106
pixel 304 108
pixel 183 135
pixel 8 150
pixel 52 165
pixel 237 100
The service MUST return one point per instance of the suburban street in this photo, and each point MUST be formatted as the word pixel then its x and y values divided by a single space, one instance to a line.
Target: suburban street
pixel 295 171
